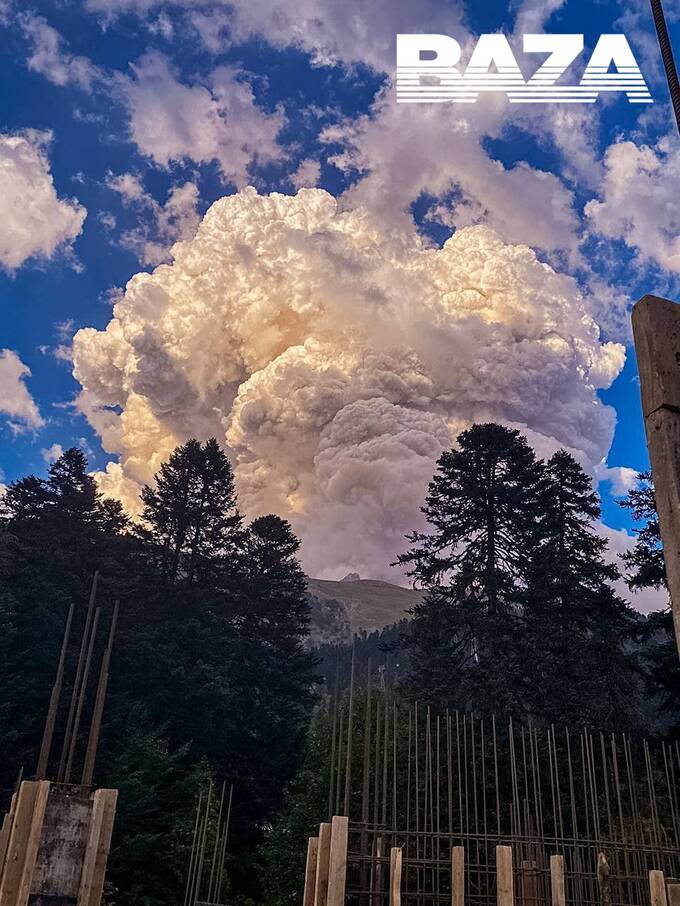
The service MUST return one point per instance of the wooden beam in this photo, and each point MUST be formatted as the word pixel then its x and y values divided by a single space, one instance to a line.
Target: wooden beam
pixel 656 328
pixel 6 831
pixel 395 876
pixel 673 894
pixel 98 846
pixel 310 872
pixel 557 889
pixel 458 876
pixel 657 889
pixel 18 838
pixel 33 843
pixel 322 862
pixel 504 884
pixel 337 864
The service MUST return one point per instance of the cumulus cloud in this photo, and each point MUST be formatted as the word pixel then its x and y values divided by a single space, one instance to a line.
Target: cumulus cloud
pixel 637 200
pixel 335 360
pixel 646 600
pixel 398 153
pixel 353 32
pixel 621 479
pixel 404 151
pixel 50 58
pixel 34 220
pixel 159 225
pixel 16 401
pixel 307 174
pixel 172 122
pixel 52 454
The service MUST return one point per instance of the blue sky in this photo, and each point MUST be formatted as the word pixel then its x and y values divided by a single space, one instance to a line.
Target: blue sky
pixel 313 82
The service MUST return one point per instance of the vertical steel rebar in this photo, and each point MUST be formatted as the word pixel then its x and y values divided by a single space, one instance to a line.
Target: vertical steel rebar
pixel 77 679
pixel 55 696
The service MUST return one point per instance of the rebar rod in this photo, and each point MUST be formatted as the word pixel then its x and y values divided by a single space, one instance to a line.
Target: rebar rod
pixel 55 696
pixel 667 57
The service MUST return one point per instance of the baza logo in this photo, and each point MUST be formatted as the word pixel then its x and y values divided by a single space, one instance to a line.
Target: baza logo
pixel 427 70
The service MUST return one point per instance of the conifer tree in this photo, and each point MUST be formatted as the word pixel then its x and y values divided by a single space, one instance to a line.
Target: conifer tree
pixel 304 805
pixel 190 514
pixel 472 562
pixel 577 629
pixel 646 569
pixel 54 533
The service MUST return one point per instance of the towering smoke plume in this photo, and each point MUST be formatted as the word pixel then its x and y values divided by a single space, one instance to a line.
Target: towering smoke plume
pixel 335 362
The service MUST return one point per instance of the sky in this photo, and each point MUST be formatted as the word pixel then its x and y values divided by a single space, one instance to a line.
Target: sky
pixel 216 220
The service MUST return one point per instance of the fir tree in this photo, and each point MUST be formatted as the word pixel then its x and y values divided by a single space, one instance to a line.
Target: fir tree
pixel 190 514
pixel 646 569
pixel 480 508
pixel 577 629
pixel 54 534
pixel 304 805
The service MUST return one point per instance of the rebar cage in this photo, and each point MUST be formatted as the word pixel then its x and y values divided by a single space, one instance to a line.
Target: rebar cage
pixel 427 782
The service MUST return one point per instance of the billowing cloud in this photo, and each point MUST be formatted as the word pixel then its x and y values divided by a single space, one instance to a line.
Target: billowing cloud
pixel 637 200
pixel 172 122
pixel 33 219
pixel 404 151
pixel 16 402
pixel 335 361
pixel 396 154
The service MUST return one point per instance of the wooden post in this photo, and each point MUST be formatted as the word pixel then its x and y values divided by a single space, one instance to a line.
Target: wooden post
pixel 458 876
pixel 310 872
pixel 6 831
pixel 97 847
pixel 504 884
pixel 18 838
pixel 604 879
pixel 673 894
pixel 395 876
pixel 33 843
pixel 322 861
pixel 656 328
pixel 337 863
pixel 529 883
pixel 657 888
pixel 557 889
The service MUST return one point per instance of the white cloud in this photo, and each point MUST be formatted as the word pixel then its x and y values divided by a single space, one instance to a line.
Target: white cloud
pixel 335 360
pixel 646 600
pixel 16 401
pixel 34 221
pixel 51 59
pixel 52 454
pixel 352 32
pixel 171 122
pixel 621 479
pixel 404 151
pixel 307 174
pixel 159 225
pixel 637 200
